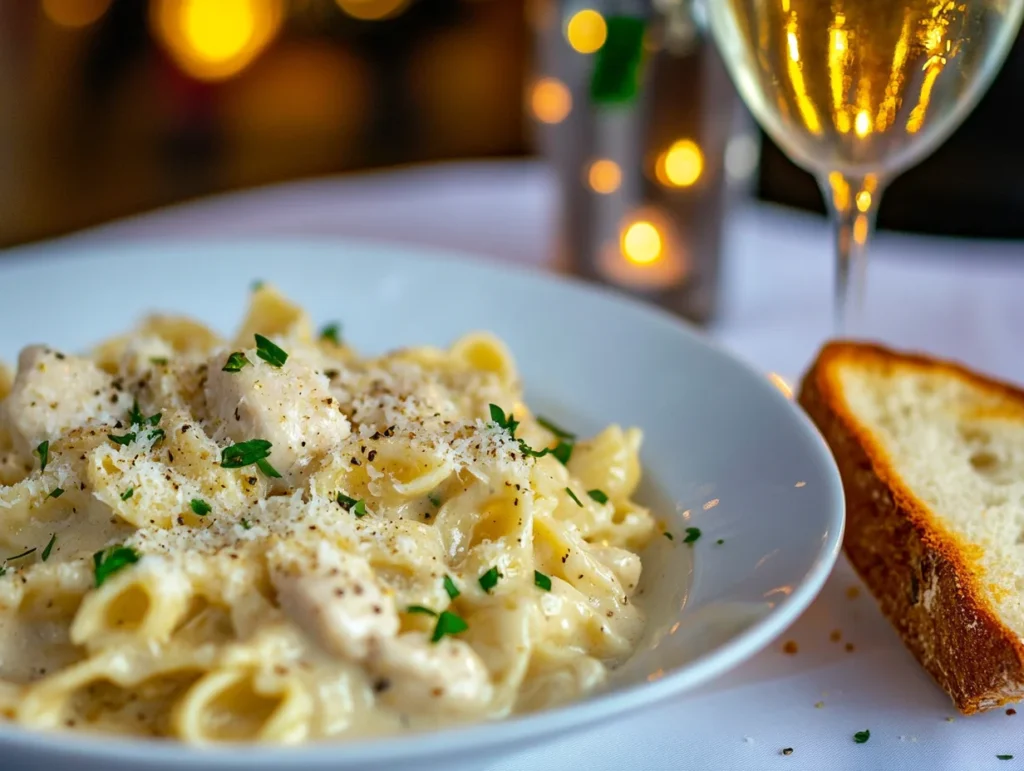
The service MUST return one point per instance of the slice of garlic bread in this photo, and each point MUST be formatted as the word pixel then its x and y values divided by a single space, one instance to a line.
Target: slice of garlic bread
pixel 932 460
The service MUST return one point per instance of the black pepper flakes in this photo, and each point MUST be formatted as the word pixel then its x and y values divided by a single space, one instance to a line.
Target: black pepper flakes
pixel 787 751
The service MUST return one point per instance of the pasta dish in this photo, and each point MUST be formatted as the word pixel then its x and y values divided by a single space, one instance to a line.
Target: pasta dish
pixel 272 539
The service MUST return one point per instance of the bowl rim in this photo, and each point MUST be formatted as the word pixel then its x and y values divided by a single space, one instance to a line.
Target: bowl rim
pixel 498 734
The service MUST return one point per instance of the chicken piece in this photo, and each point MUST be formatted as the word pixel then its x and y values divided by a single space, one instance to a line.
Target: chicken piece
pixel 288 406
pixel 415 674
pixel 334 599
pixel 54 392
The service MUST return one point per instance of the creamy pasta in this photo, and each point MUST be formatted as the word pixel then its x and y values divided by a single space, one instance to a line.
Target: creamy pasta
pixel 272 539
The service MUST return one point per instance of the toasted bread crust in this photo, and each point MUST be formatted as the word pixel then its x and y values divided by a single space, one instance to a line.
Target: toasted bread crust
pixel 924 578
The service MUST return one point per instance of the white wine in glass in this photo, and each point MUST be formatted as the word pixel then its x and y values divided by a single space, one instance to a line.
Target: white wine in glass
pixel 855 91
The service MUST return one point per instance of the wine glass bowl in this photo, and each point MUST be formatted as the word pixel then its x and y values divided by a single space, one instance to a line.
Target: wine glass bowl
pixel 856 91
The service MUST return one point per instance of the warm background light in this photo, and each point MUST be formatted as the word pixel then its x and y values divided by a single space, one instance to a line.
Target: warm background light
pixel 550 100
pixel 586 31
pixel 372 10
pixel 604 176
pixel 641 243
pixel 681 165
pixel 215 40
pixel 74 13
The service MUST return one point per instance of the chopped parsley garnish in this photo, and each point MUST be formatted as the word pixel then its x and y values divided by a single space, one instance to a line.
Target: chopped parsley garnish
pixel 525 449
pixel 563 451
pixel 509 423
pixel 450 587
pixel 489 580
pixel 200 507
pixel 420 609
pixel 351 504
pixel 43 451
pixel 49 547
pixel 3 570
pixel 156 435
pixel 669 535
pixel 1004 757
pixel 269 471
pixel 235 362
pixel 598 496
pixel 573 496
pixel 331 332
pixel 561 433
pixel 245 453
pixel 269 352
pixel 109 561
pixel 256 285
pixel 136 418
pixel 692 534
pixel 23 554
pixel 135 414
pixel 720 541
pixel 160 361
pixel 435 500
pixel 127 493
pixel 246 524
pixel 448 624
pixel 861 736
pixel 542 581
pixel 56 492
pixel 124 440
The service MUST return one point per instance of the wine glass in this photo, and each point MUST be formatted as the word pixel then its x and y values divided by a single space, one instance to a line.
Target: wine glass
pixel 856 91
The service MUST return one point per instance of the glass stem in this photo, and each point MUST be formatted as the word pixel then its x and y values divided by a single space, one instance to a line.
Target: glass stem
pixel 852 204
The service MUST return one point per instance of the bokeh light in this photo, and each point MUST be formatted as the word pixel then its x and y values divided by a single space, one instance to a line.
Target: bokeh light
pixel 641 242
pixel 75 13
pixel 681 165
pixel 215 40
pixel 586 31
pixel 550 100
pixel 372 10
pixel 604 176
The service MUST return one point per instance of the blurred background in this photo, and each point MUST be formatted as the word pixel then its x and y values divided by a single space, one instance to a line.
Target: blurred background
pixel 113 107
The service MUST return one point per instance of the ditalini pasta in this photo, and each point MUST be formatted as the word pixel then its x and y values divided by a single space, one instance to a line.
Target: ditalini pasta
pixel 274 540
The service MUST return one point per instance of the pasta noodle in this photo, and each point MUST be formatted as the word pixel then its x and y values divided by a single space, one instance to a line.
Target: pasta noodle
pixel 275 540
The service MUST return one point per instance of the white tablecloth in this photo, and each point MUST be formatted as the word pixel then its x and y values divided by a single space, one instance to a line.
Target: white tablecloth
pixel 957 298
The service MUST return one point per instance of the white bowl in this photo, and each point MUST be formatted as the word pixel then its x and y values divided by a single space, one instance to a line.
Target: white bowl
pixel 724 451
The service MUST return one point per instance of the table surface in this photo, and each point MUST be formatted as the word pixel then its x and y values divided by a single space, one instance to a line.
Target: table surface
pixel 955 298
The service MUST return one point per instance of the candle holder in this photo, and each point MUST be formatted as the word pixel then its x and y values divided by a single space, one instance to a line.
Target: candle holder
pixel 649 143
